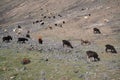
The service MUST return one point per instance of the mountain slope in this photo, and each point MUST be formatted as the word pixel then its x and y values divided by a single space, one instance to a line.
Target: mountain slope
pixel 54 21
pixel 18 10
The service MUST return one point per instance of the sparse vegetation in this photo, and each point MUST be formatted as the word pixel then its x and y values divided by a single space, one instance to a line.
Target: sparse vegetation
pixel 85 25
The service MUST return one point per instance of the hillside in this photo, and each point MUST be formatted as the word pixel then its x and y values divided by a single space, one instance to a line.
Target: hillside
pixel 54 21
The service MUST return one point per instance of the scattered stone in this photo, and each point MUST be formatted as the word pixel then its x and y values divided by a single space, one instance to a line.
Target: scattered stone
pixel 5 30
pixel 4 69
pixel 81 76
pixel 112 79
pixel 76 71
pixel 107 7
pixel 23 68
pixel 106 20
pixel 12 77
pixel 43 78
pixel 43 73
pixel 86 17
pixel 46 59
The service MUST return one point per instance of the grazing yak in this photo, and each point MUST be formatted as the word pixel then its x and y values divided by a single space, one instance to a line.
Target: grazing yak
pixel 40 40
pixel 49 27
pixel 28 35
pixel 19 26
pixel 7 38
pixel 93 54
pixel 96 31
pixel 63 22
pixel 22 40
pixel 28 32
pixel 56 24
pixel 54 17
pixel 45 17
pixel 67 43
pixel 37 21
pixel 110 48
pixel 85 42
pixel 59 15
pixel 42 23
pixel 25 61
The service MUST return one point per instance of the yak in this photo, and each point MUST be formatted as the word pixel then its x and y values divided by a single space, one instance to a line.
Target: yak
pixel 22 40
pixel 28 35
pixel 85 42
pixel 7 38
pixel 67 43
pixel 93 54
pixel 40 41
pixel 25 61
pixel 110 48
pixel 96 31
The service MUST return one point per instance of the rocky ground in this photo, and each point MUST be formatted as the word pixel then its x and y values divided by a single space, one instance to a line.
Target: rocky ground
pixel 55 21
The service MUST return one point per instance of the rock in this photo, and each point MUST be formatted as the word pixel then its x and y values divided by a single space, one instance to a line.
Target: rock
pixel 23 68
pixel 81 76
pixel 46 59
pixel 106 20
pixel 42 73
pixel 43 79
pixel 76 71
pixel 12 77
pixel 4 69
pixel 86 17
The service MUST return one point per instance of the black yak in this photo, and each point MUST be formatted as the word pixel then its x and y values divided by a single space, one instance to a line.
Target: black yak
pixel 67 43
pixel 110 48
pixel 28 35
pixel 42 23
pixel 63 22
pixel 53 17
pixel 7 38
pixel 56 24
pixel 96 31
pixel 22 40
pixel 40 40
pixel 37 21
pixel 19 26
pixel 93 54
pixel 59 15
